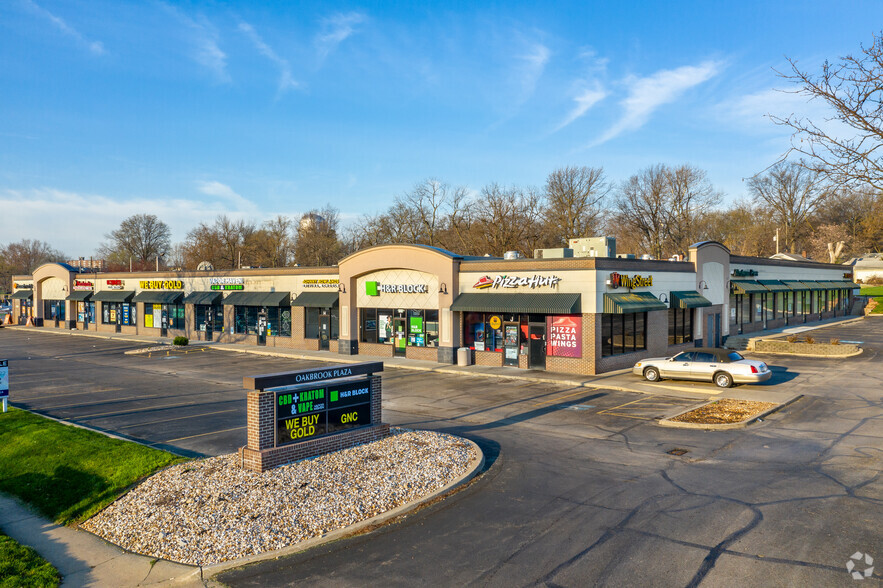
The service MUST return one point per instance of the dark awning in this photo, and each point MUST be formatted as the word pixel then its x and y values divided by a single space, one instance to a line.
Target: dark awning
pixel 207 298
pixel 746 286
pixel 774 285
pixel 627 303
pixel 811 285
pixel 688 299
pixel 113 296
pixel 155 297
pixel 846 284
pixel 518 303
pixel 317 299
pixel 80 296
pixel 257 299
pixel 836 284
pixel 794 285
pixel 22 295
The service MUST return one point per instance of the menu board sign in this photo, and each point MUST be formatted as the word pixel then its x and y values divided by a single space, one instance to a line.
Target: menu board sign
pixel 306 412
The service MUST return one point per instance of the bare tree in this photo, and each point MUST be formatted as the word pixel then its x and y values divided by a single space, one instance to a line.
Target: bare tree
pixel 317 243
pixel 430 203
pixel 573 199
pixel 853 89
pixel 23 257
pixel 691 197
pixel 273 243
pixel 504 219
pixel 141 238
pixel 224 243
pixel 790 194
pixel 642 207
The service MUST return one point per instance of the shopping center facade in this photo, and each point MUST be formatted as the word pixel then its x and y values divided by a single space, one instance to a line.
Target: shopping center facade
pixel 581 315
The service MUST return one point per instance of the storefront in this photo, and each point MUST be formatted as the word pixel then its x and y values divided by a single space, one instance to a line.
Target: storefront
pixel 22 304
pixel 208 314
pixel 260 315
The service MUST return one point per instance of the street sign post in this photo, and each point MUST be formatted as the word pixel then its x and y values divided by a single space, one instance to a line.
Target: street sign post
pixel 4 381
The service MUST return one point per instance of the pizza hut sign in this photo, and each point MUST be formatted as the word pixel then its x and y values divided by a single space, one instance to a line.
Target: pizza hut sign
pixel 534 281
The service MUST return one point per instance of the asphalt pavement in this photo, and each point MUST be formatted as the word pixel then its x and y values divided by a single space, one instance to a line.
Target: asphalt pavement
pixel 580 488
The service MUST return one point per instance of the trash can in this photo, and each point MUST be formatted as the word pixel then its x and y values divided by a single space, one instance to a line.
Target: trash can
pixel 464 356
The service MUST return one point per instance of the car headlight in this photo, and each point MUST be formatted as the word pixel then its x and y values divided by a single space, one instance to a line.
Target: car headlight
pixel 638 364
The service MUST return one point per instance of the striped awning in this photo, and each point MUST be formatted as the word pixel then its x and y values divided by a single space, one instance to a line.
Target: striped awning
pixel 794 285
pixel 746 286
pixel 113 296
pixel 688 299
pixel 205 298
pixel 631 302
pixel 774 285
pixel 317 299
pixel 155 297
pixel 518 303
pixel 80 296
pixel 258 299
pixel 22 295
pixel 813 285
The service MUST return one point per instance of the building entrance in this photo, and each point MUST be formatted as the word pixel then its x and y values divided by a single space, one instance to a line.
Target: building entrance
pixel 536 357
pixel 400 336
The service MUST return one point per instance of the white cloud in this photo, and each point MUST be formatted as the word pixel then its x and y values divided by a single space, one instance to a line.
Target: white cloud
pixel 335 30
pixel 225 192
pixel 204 40
pixel 532 68
pixel 647 94
pixel 584 101
pixel 286 80
pixel 95 47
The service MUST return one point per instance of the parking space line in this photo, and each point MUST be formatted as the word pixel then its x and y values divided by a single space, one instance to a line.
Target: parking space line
pixel 43 395
pixel 200 435
pixel 559 398
pixel 119 411
pixel 179 418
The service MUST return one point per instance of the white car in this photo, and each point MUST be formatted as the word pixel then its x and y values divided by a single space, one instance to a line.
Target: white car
pixel 724 367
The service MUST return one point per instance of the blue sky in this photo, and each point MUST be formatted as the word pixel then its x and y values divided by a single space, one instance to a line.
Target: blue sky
pixel 188 110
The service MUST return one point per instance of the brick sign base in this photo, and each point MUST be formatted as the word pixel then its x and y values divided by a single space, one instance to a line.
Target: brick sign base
pixel 261 454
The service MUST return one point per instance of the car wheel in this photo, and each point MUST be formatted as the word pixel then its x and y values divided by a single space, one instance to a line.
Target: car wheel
pixel 651 374
pixel 723 380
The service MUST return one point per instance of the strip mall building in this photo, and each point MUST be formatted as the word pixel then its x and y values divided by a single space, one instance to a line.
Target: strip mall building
pixel 575 315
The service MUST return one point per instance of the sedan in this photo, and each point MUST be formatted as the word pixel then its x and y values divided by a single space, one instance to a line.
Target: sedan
pixel 721 366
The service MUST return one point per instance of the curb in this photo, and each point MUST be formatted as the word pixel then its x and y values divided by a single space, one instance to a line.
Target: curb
pixel 820 356
pixel 667 422
pixel 212 570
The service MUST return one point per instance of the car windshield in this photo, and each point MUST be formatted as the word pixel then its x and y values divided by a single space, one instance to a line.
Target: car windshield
pixel 685 356
pixel 733 356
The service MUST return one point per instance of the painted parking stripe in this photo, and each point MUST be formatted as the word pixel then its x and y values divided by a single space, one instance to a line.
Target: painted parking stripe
pixel 192 416
pixel 128 410
pixel 200 435
pixel 560 398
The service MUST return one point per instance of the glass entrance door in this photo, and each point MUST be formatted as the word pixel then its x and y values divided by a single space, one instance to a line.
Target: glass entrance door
pixel 324 330
pixel 400 337
pixel 510 344
pixel 536 358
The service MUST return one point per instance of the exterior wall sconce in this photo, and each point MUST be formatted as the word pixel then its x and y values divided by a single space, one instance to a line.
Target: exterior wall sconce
pixel 663 298
pixel 701 286
pixel 443 289
pixel 341 288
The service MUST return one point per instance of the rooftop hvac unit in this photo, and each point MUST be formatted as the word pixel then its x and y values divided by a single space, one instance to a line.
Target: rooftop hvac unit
pixel 511 255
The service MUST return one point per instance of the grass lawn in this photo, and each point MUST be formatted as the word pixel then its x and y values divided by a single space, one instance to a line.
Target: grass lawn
pixel 65 472
pixel 22 567
pixel 877 293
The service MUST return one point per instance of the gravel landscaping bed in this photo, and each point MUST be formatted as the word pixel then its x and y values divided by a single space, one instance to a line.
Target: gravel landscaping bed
pixel 724 411
pixel 208 511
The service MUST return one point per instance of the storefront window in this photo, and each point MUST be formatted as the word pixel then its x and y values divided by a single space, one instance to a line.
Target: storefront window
pixel 209 317
pixel 734 304
pixel 245 320
pixel 118 312
pixel 420 327
pixel 86 312
pixel 623 333
pixel 170 316
pixel 54 309
pixel 769 301
pixel 746 309
pixel 758 307
pixel 313 319
pixel 680 325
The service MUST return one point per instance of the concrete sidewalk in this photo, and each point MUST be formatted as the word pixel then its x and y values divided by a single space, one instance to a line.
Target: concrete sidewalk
pixel 86 560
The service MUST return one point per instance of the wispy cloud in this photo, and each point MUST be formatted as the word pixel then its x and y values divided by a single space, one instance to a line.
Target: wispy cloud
pixel 335 30
pixel 95 47
pixel 204 40
pixel 647 94
pixel 286 80
pixel 533 64
pixel 584 101
pixel 228 194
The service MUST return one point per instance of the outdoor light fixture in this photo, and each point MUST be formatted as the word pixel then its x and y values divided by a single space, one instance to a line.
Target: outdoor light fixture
pixel 663 298
pixel 443 289
pixel 341 289
pixel 705 287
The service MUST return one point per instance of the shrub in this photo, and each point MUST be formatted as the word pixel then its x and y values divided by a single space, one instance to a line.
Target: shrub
pixel 179 340
pixel 810 339
pixel 834 341
pixel 874 281
pixel 792 339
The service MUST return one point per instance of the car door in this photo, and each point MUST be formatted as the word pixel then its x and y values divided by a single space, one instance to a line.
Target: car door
pixel 704 366
pixel 678 366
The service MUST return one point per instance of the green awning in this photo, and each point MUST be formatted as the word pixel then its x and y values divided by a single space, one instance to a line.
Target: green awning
pixel 206 298
pixel 518 303
pixel 794 285
pixel 158 297
pixel 113 296
pixel 317 299
pixel 627 303
pixel 80 296
pixel 746 286
pixel 688 299
pixel 847 285
pixel 811 285
pixel 22 295
pixel 774 285
pixel 257 299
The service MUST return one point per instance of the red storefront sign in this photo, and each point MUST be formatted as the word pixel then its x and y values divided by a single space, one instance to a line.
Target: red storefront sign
pixel 565 336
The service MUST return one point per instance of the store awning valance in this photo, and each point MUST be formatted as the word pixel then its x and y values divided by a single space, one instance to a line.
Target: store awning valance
pixel 80 296
pixel 317 299
pixel 518 303
pixel 688 299
pixel 774 285
pixel 746 286
pixel 846 284
pixel 154 297
pixel 22 295
pixel 113 296
pixel 627 303
pixel 206 298
pixel 795 285
pixel 258 299
pixel 811 285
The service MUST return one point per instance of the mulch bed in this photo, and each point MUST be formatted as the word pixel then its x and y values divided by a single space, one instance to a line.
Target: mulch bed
pixel 724 411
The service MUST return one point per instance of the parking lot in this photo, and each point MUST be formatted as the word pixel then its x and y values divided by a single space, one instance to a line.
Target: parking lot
pixel 580 487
